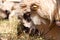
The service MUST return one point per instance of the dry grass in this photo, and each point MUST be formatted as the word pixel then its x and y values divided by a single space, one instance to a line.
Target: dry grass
pixel 8 31
pixel 25 36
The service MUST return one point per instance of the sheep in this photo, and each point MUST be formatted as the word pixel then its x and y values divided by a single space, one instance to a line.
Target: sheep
pixel 42 14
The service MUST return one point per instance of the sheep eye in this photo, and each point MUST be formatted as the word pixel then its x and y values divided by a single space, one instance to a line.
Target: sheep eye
pixel 34 7
pixel 23 6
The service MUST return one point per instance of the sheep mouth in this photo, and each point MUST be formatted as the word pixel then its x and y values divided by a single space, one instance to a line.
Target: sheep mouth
pixel 27 16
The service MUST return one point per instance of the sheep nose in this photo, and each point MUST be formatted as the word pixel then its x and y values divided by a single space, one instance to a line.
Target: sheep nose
pixel 7 12
pixel 28 10
pixel 27 13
